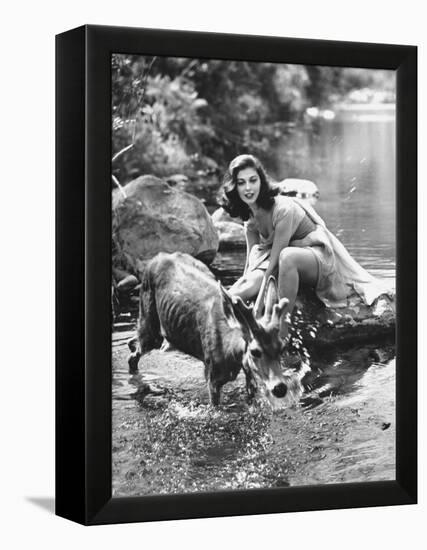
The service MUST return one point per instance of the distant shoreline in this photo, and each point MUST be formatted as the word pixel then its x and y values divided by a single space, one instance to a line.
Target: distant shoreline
pixel 364 107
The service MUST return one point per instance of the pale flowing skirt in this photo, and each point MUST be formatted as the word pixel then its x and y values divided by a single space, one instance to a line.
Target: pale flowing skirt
pixel 341 282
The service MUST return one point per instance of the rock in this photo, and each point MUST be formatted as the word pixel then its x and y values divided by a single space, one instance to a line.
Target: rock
pixel 128 283
pixel 230 230
pixel 231 235
pixel 155 217
pixel 302 189
pixel 119 274
pixel 324 326
pixel 220 215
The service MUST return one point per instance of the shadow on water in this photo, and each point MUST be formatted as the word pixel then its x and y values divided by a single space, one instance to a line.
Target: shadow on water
pixel 340 372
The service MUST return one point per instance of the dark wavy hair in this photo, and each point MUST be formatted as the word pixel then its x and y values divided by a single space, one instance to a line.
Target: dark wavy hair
pixel 230 200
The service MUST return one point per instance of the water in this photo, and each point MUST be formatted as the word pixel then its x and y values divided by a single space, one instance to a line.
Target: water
pixel 338 423
pixel 352 160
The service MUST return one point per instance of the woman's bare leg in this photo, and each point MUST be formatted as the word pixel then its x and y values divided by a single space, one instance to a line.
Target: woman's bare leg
pixel 248 286
pixel 296 265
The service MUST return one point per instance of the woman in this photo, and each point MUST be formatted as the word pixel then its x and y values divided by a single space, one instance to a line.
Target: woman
pixel 289 240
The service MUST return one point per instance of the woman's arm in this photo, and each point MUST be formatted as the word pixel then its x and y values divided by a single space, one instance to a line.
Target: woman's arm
pixel 252 238
pixel 282 235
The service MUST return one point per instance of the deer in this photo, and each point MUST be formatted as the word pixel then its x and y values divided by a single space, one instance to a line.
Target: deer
pixel 182 303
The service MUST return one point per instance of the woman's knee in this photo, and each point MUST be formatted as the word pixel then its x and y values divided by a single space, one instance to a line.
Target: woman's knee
pixel 288 259
pixel 299 260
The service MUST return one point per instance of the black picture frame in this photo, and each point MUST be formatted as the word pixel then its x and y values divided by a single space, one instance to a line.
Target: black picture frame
pixel 83 274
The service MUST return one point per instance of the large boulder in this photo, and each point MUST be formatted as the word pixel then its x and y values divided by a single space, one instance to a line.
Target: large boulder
pixel 149 216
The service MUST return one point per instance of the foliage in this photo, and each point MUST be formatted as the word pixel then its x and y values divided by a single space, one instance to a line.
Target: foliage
pixel 191 116
pixel 160 115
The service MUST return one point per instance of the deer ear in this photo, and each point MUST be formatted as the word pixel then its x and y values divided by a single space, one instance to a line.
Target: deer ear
pixel 271 297
pixel 245 315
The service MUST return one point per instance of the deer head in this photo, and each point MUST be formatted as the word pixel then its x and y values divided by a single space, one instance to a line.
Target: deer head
pixel 262 356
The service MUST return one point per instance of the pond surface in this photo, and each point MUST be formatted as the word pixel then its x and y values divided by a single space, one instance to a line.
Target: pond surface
pixel 352 161
pixel 338 422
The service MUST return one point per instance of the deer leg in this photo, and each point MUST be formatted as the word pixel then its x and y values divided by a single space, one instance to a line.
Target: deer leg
pixel 214 385
pixel 214 388
pixel 134 356
pixel 149 333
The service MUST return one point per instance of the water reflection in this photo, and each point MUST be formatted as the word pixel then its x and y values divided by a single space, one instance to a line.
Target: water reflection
pixel 353 164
